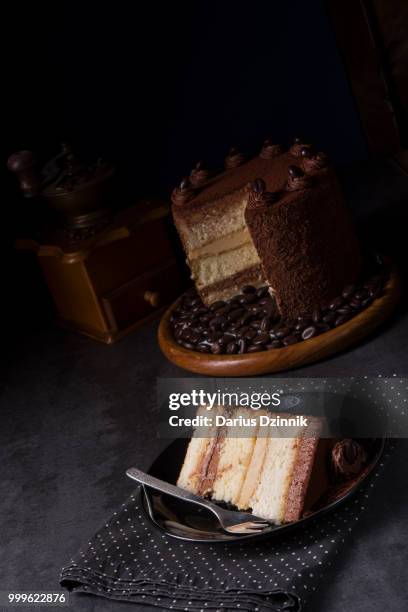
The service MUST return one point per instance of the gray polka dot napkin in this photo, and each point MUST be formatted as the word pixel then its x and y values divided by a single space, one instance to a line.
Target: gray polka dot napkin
pixel 128 559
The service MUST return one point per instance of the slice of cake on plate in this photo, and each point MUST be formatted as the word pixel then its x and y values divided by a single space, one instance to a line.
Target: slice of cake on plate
pixel 277 478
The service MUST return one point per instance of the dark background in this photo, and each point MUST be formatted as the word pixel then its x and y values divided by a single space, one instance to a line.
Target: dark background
pixel 155 87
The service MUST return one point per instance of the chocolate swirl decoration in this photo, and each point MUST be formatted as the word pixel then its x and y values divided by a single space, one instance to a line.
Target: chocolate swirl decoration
pixel 183 193
pixel 199 174
pixel 297 179
pixel 348 458
pixel 312 160
pixel 234 158
pixel 270 150
pixel 297 147
pixel 258 196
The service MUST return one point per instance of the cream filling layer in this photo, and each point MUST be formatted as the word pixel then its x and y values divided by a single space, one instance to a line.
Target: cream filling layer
pixel 222 244
pixel 215 268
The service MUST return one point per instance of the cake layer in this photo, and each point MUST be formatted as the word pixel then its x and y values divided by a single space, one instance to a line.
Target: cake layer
pixel 211 269
pixel 200 452
pixel 307 245
pixel 232 285
pixel 222 244
pixel 276 478
pixel 202 225
pixel 270 497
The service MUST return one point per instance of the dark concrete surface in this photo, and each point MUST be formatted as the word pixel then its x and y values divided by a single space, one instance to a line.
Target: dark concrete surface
pixel 75 414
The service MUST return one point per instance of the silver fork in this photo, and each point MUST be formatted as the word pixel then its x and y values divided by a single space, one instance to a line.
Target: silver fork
pixel 239 523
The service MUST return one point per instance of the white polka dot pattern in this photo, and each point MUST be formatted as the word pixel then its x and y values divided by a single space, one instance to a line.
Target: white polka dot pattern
pixel 128 559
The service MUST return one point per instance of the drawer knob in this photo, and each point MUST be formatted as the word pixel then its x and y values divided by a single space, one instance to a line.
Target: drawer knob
pixel 152 297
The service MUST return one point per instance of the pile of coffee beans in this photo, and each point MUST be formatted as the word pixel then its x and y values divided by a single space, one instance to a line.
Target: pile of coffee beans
pixel 250 322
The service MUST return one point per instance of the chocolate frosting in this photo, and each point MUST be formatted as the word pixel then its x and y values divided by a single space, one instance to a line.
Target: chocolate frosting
pixel 234 158
pixel 297 147
pixel 270 150
pixel 297 179
pixel 316 161
pixel 183 193
pixel 199 174
pixel 348 458
pixel 258 196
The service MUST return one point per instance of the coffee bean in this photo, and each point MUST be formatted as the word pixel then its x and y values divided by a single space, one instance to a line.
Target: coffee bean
pixel 234 302
pixel 348 291
pixel 185 316
pixel 242 346
pixel 346 309
pixel 242 330
pixel 360 295
pixel 218 322
pixel 342 319
pixel 290 340
pixel 254 348
pixel 236 314
pixel 247 298
pixel 309 332
pixel 251 333
pixel 206 318
pixel 255 324
pixel 226 339
pixel 216 348
pixel 203 348
pixel 282 332
pixel 197 328
pixel 231 348
pixel 295 172
pixel 377 293
pixel 335 304
pixel 262 338
pixel 329 318
pixel 262 292
pixel 217 305
pixel 317 316
pixel 248 289
pixel 322 327
pixel 193 336
pixel 199 309
pixel 274 344
pixel 224 310
pixel 271 312
pixel 245 319
pixel 255 310
pixel 214 336
pixel 244 322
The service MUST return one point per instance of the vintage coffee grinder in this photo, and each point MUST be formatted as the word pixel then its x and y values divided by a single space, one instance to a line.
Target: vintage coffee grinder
pixel 80 193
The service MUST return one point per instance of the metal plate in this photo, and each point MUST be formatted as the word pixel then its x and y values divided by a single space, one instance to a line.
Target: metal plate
pixel 184 521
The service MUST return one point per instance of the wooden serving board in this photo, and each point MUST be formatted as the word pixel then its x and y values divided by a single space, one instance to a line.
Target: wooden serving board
pixel 288 357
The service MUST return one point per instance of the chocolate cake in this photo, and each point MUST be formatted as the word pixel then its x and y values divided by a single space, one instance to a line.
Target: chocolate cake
pixel 277 478
pixel 276 219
